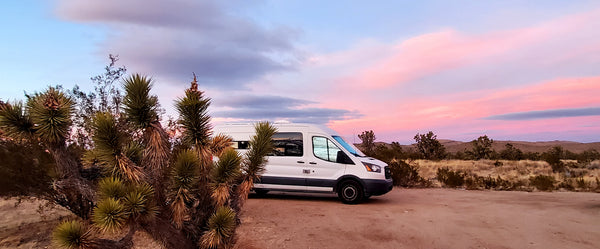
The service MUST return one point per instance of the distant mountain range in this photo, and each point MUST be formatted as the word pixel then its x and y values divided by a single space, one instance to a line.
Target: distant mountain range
pixel 455 146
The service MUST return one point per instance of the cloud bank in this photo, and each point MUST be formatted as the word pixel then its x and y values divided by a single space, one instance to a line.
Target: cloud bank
pixel 247 107
pixel 545 114
pixel 175 38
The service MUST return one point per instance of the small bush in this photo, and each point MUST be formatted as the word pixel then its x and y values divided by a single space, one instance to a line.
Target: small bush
pixel 406 175
pixel 498 163
pixel 450 178
pixel 567 184
pixel 488 182
pixel 581 183
pixel 542 182
pixel 25 169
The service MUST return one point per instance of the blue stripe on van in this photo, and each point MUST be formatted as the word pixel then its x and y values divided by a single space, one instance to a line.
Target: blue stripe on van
pixel 297 181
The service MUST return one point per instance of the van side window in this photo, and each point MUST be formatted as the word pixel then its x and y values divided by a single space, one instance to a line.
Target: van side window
pixel 324 149
pixel 287 144
pixel 241 145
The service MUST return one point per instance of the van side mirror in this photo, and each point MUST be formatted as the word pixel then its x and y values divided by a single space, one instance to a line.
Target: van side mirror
pixel 343 158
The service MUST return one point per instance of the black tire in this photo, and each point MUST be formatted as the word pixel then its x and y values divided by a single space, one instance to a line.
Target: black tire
pixel 261 192
pixel 351 192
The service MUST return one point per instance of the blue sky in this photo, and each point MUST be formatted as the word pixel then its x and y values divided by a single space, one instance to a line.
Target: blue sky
pixel 513 70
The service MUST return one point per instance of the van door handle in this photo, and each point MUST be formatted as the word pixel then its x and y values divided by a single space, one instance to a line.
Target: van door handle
pixel 300 161
pixel 306 171
pixel 313 163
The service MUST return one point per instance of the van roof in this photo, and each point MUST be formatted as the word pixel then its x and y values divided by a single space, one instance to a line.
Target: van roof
pixel 304 126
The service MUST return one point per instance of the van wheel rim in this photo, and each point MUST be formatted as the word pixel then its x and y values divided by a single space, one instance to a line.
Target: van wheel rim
pixel 349 193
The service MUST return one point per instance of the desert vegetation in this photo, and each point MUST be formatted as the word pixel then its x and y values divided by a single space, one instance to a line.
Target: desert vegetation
pixel 106 157
pixel 427 163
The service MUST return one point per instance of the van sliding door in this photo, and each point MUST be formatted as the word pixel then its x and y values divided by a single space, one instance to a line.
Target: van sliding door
pixel 286 163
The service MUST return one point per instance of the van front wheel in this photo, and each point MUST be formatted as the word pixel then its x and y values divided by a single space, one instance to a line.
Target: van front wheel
pixel 350 192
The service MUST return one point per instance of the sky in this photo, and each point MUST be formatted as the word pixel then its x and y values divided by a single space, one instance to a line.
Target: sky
pixel 511 70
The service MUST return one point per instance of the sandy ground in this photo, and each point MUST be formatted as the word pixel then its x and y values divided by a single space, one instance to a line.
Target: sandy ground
pixel 424 218
pixel 404 218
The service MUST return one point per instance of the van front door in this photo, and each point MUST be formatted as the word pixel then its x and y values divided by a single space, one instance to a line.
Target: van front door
pixel 323 164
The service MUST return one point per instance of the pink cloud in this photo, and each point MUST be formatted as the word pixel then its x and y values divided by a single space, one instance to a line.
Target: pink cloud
pixel 546 64
pixel 449 49
pixel 465 112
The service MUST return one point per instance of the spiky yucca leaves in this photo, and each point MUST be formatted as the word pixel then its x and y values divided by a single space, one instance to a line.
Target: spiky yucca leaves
pixel 50 111
pixel 141 110
pixel 71 235
pixel 134 151
pixel 185 176
pixel 139 106
pixel 109 142
pixel 260 147
pixel 108 139
pixel 219 143
pixel 15 121
pixel 254 165
pixel 110 215
pixel 111 187
pixel 221 226
pixel 225 172
pixel 185 170
pixel 193 116
pixel 138 202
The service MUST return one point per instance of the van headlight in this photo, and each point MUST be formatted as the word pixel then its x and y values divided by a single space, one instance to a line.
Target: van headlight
pixel 372 167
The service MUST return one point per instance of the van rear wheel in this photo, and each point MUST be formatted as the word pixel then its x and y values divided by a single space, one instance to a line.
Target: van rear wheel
pixel 351 192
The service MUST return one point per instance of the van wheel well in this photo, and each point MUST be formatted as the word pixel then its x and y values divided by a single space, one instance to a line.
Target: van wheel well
pixel 350 191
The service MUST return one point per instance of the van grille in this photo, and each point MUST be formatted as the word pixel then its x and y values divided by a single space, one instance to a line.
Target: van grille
pixel 388 173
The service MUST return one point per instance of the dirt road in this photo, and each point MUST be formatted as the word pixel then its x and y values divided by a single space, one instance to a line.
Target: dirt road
pixel 404 218
pixel 424 218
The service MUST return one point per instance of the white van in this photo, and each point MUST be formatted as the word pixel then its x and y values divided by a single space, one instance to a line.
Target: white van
pixel 313 158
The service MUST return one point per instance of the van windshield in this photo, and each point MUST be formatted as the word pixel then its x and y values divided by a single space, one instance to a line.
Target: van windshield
pixel 350 148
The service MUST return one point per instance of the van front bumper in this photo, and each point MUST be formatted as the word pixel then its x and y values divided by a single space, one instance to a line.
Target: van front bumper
pixel 378 187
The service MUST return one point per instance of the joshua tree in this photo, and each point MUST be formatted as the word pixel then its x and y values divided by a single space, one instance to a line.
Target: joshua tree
pixel 429 147
pixel 368 141
pixel 176 194
pixel 482 148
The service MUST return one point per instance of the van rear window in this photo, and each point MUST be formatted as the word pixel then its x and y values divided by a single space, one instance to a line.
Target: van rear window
pixel 287 144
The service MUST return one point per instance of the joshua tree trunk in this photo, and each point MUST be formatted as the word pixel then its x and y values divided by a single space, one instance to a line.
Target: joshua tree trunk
pixel 72 191
pixel 162 230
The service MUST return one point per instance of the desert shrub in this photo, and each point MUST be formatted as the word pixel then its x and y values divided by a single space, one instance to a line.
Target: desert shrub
pixel 498 163
pixel 553 156
pixel 489 182
pixel 533 156
pixel 450 178
pixel 581 183
pixel 25 169
pixel 576 172
pixel 588 156
pixel 542 182
pixel 594 165
pixel 406 175
pixel 388 153
pixel 567 184
pixel 459 155
pixel 511 153
pixel 472 182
